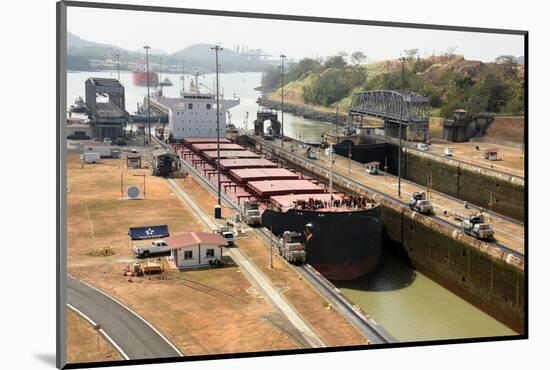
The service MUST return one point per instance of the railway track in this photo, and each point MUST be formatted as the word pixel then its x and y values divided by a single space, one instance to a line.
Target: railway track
pixel 368 327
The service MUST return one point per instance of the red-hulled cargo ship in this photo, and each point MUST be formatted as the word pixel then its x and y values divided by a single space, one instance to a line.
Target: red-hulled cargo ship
pixel 342 233
pixel 139 78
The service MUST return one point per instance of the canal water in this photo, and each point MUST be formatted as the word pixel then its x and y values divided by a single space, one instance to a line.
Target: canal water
pixel 405 302
pixel 239 84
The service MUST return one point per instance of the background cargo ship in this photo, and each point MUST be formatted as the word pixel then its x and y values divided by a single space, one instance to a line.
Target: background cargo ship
pixel 139 77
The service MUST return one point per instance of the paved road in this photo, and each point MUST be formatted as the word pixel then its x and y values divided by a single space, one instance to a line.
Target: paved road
pixel 133 335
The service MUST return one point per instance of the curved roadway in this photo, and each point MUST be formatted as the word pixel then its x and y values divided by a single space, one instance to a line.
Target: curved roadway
pixel 132 334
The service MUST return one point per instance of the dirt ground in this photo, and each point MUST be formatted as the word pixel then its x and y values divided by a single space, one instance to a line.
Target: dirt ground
pixel 84 344
pixel 507 128
pixel 221 316
pixel 510 160
pixel 332 328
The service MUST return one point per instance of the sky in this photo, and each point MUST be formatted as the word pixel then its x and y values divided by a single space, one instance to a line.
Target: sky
pixel 171 32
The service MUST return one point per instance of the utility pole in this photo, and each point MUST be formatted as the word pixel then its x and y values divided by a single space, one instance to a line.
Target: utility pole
pixel 147 137
pixel 160 73
pixel 330 178
pixel 182 76
pixel 271 247
pixel 402 59
pixel 282 100
pixel 216 49
pixel 349 159
pixel 118 66
pixel 399 156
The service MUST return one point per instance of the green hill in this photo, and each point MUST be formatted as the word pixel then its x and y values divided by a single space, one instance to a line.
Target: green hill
pixel 449 81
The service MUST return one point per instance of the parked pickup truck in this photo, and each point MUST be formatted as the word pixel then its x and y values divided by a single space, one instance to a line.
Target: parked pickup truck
pixel 157 246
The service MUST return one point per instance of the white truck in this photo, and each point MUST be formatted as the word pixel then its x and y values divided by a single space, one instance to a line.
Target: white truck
pixel 448 152
pixel 251 213
pixel 227 234
pixel 477 227
pixel 311 153
pixel 90 157
pixel 156 246
pixel 291 248
pixel 420 203
pixel 422 146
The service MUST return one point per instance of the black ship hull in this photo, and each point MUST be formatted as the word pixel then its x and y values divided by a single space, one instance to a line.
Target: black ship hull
pixel 342 245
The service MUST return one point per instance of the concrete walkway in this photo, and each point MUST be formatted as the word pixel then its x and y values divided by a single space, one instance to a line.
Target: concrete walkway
pixel 255 276
pixel 132 336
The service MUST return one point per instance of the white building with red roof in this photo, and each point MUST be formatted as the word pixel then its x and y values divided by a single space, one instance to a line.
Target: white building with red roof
pixel 195 249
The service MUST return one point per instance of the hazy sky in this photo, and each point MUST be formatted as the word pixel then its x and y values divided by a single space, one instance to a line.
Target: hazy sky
pixel 171 32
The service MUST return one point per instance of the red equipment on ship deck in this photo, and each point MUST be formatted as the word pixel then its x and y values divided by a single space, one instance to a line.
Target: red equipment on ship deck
pixel 268 188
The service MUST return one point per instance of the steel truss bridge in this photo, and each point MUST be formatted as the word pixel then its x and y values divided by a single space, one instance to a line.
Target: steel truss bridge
pixel 393 106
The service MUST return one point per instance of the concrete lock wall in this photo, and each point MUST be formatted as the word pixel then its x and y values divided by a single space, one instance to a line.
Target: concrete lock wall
pixel 482 274
pixel 473 184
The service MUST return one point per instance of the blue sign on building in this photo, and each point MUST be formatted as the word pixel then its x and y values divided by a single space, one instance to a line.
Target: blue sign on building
pixel 148 232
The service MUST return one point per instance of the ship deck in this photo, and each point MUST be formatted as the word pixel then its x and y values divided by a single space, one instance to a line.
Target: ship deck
pixel 213 154
pixel 229 164
pixel 267 188
pixel 204 140
pixel 214 146
pixel 246 175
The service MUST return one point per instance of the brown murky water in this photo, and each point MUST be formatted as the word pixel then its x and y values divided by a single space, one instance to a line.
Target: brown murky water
pixel 412 307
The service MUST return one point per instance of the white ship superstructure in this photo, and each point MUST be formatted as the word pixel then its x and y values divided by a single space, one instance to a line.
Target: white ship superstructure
pixel 194 113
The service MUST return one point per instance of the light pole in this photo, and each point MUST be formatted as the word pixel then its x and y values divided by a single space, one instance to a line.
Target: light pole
pixel 182 76
pixel 399 157
pixel 402 59
pixel 282 100
pixel 118 65
pixel 217 49
pixel 147 137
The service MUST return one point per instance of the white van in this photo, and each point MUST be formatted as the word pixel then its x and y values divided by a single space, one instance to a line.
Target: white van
pixel 448 152
pixel 90 157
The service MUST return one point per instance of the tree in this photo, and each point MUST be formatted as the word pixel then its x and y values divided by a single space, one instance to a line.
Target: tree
pixel 411 53
pixel 508 63
pixel 303 68
pixel 358 57
pixel 336 61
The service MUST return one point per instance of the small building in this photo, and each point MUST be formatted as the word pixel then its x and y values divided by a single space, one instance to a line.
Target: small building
pixel 79 131
pixel 133 160
pixel 195 249
pixel 372 167
pixel 491 154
